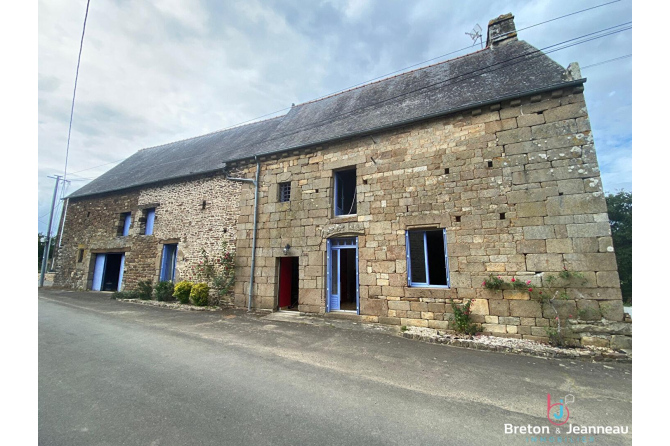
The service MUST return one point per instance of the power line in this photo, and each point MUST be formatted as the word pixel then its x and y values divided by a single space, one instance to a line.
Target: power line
pixel 390 74
pixel 462 77
pixel 74 93
pixel 568 15
pixel 457 79
pixel 606 61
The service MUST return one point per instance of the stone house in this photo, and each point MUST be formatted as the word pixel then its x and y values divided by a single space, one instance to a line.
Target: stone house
pixel 383 203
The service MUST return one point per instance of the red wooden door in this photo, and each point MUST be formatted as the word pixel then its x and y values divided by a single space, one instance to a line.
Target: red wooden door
pixel 285 276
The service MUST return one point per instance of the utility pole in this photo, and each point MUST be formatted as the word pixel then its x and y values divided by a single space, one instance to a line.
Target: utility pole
pixel 45 254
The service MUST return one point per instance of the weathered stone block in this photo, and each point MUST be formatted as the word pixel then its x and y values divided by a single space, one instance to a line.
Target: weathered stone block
pixel 608 279
pixel 530 120
pixel 597 229
pixel 590 262
pixel 538 232
pixel 513 136
pixel 544 262
pixel 576 204
pixel 595 341
pixel 480 306
pixel 494 328
pixel 588 310
pixel 515 295
pixel 499 307
pixel 531 209
pixel 532 246
pixel 389 320
pixel 563 245
pixel 525 309
pixel 398 305
pixel 570 111
pixel 509 320
pixel 612 310
pixel 621 342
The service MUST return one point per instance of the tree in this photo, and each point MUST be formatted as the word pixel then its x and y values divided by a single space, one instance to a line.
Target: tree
pixel 620 210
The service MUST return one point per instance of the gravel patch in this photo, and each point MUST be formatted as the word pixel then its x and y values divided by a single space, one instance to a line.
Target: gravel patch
pixel 518 346
pixel 171 305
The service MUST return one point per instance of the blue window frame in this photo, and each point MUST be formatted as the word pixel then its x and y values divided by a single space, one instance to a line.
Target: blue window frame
pixel 168 262
pixel 427 261
pixel 125 219
pixel 345 192
pixel 150 218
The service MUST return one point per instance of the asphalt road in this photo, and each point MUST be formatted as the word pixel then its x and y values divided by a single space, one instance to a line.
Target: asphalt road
pixel 115 373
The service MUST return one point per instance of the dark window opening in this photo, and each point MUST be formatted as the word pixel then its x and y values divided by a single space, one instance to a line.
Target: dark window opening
pixel 204 204
pixel 345 192
pixel 502 215
pixel 489 163
pixel 427 257
pixel 80 256
pixel 446 171
pixel 284 192
pixel 458 219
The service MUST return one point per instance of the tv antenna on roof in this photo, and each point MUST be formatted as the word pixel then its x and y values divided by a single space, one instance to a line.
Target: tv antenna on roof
pixel 476 34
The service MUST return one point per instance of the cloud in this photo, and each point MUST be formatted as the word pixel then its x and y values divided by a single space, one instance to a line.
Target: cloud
pixel 156 72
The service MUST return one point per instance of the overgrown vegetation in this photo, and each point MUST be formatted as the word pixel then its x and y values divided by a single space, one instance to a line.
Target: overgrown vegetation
pixel 182 291
pixel 461 318
pixel 200 294
pixel 217 271
pixel 144 290
pixel 164 291
pixel 620 211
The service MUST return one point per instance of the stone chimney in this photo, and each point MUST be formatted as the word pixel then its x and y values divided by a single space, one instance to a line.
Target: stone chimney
pixel 501 30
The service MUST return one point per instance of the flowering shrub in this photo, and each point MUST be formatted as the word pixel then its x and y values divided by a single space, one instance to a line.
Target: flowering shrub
pixel 493 283
pixel 217 271
pixel 200 294
pixel 182 291
pixel 462 322
pixel 498 283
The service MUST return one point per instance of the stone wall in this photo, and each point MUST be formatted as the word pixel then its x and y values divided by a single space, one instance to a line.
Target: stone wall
pixel 197 214
pixel 515 184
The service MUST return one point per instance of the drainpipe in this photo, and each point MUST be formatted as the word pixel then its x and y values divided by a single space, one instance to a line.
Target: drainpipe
pixel 253 247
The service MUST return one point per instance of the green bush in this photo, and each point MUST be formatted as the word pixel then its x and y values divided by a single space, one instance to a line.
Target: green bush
pixel 164 291
pixel 200 294
pixel 144 289
pixel 182 291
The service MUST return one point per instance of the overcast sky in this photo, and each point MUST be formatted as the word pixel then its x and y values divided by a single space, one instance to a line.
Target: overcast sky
pixel 154 72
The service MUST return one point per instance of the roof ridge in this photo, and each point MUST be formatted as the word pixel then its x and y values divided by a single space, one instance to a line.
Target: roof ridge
pixel 391 77
pixel 212 133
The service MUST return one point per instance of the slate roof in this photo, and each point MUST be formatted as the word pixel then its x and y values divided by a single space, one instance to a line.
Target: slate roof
pixel 486 76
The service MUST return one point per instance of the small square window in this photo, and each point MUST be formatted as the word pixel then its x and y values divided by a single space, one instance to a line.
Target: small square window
pixel 427 263
pixel 284 192
pixel 345 192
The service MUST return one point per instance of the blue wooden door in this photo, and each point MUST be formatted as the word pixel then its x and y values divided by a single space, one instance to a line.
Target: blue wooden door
pixel 98 271
pixel 334 273
pixel 123 262
pixel 169 262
